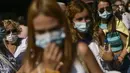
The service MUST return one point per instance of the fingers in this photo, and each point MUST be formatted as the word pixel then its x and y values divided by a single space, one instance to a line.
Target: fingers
pixel 52 56
pixel 55 53
pixel 59 56
pixel 59 65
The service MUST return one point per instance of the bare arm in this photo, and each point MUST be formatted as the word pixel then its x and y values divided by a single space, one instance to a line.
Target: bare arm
pixel 88 58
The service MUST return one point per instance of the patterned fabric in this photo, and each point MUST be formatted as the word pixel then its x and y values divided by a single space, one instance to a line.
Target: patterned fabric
pixel 7 59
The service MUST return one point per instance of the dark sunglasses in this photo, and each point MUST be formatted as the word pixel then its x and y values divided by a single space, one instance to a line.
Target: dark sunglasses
pixel 13 31
pixel 109 9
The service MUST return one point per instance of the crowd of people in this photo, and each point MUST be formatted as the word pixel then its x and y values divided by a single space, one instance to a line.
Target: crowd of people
pixel 76 36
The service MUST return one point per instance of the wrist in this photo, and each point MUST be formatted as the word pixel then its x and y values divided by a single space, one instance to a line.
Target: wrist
pixel 120 58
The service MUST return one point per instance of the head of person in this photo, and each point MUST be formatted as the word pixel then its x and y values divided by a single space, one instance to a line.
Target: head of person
pixel 104 9
pixel 127 7
pixel 118 8
pixel 62 5
pixel 12 30
pixel 23 28
pixel 47 24
pixel 80 19
pixel 120 5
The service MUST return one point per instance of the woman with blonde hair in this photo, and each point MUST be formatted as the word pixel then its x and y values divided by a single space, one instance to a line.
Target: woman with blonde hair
pixel 49 40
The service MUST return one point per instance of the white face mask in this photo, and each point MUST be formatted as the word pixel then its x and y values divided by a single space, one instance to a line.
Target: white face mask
pixel 48 37
pixel 82 26
pixel 105 14
pixel 11 38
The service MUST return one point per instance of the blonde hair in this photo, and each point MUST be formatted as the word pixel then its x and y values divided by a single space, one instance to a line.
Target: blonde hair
pixel 14 24
pixel 48 8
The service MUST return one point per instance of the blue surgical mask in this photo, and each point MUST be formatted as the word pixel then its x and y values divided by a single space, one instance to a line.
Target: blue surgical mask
pixel 56 36
pixel 105 14
pixel 103 26
pixel 82 27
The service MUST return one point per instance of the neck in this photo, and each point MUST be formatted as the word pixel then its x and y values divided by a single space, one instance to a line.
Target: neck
pixel 11 47
pixel 82 35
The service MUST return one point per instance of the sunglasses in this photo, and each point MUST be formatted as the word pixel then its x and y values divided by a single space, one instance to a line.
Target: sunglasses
pixel 109 9
pixel 11 31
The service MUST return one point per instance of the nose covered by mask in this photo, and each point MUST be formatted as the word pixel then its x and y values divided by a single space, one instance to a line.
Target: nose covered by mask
pixel 105 14
pixel 82 27
pixel 12 38
pixel 56 36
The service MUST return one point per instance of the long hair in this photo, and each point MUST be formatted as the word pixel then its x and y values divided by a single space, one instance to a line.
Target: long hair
pixel 73 8
pixel 48 8
pixel 111 21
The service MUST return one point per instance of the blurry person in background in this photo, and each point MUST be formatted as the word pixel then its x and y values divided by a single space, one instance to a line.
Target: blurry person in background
pixel 19 53
pixel 62 5
pixel 120 12
pixel 109 28
pixel 8 64
pixel 126 16
pixel 118 8
pixel 23 27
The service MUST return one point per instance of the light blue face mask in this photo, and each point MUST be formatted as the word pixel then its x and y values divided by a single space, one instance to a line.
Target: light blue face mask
pixel 56 36
pixel 82 26
pixel 105 14
pixel 103 26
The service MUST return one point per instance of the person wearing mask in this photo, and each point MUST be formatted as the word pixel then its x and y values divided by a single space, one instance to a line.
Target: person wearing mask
pixel 81 27
pixel 113 32
pixel 48 44
pixel 49 25
pixel 8 64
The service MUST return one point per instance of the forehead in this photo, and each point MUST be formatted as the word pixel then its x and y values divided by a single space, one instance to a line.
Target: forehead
pixel 118 2
pixel 81 14
pixel 10 27
pixel 43 22
pixel 103 4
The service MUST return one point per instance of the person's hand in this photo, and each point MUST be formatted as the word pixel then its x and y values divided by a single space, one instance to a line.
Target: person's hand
pixel 106 54
pixel 52 57
pixel 120 59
